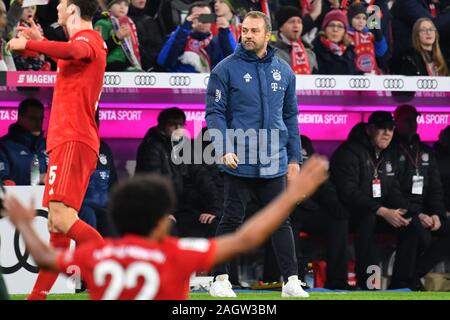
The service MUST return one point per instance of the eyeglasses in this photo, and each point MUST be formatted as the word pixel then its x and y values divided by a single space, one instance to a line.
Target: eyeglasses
pixel 430 30
pixel 335 26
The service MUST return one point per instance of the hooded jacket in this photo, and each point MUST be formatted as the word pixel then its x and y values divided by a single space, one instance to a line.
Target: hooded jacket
pixel 17 149
pixel 443 160
pixel 245 94
pixel 352 172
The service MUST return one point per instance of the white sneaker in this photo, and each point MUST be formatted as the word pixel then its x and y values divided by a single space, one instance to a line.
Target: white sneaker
pixel 222 287
pixel 293 288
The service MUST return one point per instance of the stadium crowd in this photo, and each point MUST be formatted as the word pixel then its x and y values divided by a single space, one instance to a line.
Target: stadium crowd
pixel 315 37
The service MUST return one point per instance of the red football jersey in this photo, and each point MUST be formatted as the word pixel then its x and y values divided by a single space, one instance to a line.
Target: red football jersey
pixel 76 94
pixel 133 268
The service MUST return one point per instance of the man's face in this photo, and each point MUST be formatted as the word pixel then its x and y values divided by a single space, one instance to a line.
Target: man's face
pixel 62 12
pixel 140 4
pixel 198 26
pixel 254 34
pixel 359 22
pixel 119 9
pixel 292 28
pixel 32 120
pixel 335 31
pixel 381 138
pixel 407 124
pixel 174 127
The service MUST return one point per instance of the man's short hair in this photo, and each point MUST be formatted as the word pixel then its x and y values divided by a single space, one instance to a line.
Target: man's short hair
pixel 260 15
pixel 138 204
pixel 169 115
pixel 24 105
pixel 199 4
pixel 88 8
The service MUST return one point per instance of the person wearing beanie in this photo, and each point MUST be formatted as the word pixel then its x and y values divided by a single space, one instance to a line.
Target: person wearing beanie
pixel 225 9
pixel 287 39
pixel 120 35
pixel 420 183
pixel 370 44
pixel 334 52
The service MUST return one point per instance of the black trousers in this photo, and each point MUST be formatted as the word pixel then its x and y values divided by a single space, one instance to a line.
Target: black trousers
pixel 335 233
pixel 365 227
pixel 435 247
pixel 238 192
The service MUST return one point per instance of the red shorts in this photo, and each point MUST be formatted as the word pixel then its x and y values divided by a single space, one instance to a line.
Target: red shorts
pixel 69 170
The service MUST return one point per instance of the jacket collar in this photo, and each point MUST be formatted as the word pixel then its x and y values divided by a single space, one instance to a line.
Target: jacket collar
pixel 19 134
pixel 252 57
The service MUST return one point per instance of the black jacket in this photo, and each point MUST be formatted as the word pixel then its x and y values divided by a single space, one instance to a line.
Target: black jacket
pixel 329 63
pixel 352 172
pixel 325 198
pixel 443 160
pixel 408 152
pixel 151 38
pixel 412 64
pixel 195 188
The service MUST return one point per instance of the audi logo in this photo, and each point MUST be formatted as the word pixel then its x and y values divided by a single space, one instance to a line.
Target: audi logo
pixel 179 81
pixel 393 83
pixel 22 257
pixel 112 79
pixel 325 83
pixel 206 80
pixel 359 83
pixel 145 80
pixel 427 84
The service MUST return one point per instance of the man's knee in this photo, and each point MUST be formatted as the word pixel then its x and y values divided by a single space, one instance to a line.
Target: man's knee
pixel 61 217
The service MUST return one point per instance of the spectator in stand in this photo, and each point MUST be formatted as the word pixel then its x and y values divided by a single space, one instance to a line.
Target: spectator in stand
pixel 29 60
pixel 149 33
pixel 120 35
pixel 6 60
pixel 192 47
pixel 226 9
pixel 370 46
pixel 442 149
pixel 24 140
pixel 425 57
pixel 287 39
pixel 406 13
pixel 333 49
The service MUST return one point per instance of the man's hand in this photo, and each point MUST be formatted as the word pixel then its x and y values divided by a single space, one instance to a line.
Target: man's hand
pixel 293 170
pixel 316 9
pixel 426 221
pixel 123 32
pixel 17 44
pixel 334 4
pixel 222 22
pixel 314 172
pixel 172 217
pixel 394 217
pixel 206 218
pixel 16 212
pixel 32 32
pixel 436 222
pixel 230 160
pixel 192 17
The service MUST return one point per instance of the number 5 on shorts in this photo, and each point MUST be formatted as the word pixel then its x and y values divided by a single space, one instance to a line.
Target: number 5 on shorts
pixel 52 174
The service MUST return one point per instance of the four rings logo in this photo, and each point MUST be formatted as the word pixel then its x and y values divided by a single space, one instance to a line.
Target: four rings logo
pixel 427 84
pixel 393 83
pixel 112 79
pixel 179 81
pixel 22 257
pixel 359 83
pixel 325 83
pixel 206 80
pixel 145 80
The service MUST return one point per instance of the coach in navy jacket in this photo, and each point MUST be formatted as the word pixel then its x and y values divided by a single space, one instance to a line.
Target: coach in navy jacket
pixel 24 139
pixel 253 91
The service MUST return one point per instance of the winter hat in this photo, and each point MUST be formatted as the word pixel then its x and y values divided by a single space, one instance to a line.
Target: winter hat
pixel 110 3
pixel 356 9
pixel 335 15
pixel 285 13
pixel 231 4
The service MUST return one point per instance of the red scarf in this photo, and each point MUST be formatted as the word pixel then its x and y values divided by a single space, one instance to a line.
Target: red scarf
pixel 265 8
pixel 235 29
pixel 130 44
pixel 198 47
pixel 334 48
pixel 299 58
pixel 365 51
pixel 433 10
